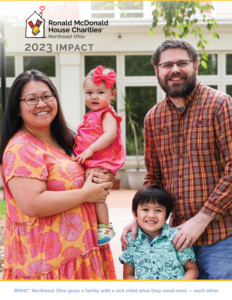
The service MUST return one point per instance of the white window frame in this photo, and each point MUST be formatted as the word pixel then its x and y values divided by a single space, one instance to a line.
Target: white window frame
pixel 224 63
pixel 86 12
pixel 219 73
pixel 19 67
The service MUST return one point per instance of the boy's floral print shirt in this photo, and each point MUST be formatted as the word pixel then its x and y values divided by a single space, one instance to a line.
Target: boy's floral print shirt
pixel 158 258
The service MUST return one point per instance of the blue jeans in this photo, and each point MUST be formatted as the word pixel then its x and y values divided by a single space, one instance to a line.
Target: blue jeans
pixel 215 261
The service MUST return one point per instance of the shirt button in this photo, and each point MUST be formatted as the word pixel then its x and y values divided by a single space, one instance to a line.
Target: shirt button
pixel 180 176
pixel 183 218
pixel 180 155
pixel 199 122
pixel 181 134
pixel 180 197
pixel 153 262
pixel 161 130
pixel 157 277
pixel 151 245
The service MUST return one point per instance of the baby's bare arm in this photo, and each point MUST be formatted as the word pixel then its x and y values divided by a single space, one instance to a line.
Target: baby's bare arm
pixel 109 124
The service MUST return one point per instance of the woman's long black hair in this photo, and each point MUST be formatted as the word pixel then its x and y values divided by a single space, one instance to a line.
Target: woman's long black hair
pixel 12 122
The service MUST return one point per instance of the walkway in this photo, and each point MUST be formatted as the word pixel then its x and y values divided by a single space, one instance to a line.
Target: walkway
pixel 119 203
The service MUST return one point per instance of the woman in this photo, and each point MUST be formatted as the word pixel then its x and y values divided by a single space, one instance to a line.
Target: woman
pixel 51 230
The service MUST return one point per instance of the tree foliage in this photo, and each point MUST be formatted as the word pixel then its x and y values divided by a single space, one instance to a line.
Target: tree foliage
pixel 180 20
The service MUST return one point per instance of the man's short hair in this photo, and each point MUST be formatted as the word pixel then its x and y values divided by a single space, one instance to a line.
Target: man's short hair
pixel 171 44
pixel 152 194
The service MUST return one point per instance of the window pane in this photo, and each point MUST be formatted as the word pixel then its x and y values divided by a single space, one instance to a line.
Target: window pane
pixel 132 15
pixel 229 90
pixel 7 93
pixel 45 64
pixel 10 66
pixel 211 66
pixel 130 5
pixel 139 99
pixel 139 65
pixel 228 64
pixel 102 16
pixel 92 62
pixel 97 5
pixel 213 86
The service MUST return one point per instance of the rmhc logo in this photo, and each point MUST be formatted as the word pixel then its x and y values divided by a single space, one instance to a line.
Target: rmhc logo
pixel 35 25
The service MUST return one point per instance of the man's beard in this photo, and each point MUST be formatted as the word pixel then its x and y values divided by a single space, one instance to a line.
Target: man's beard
pixel 184 88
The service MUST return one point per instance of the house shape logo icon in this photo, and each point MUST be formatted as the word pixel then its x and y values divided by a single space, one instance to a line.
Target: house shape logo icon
pixel 35 25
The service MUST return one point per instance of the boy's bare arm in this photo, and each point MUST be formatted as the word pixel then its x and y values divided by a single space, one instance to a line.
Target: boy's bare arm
pixel 191 269
pixel 128 271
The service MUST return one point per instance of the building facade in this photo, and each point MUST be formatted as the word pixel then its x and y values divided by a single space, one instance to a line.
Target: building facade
pixel 123 44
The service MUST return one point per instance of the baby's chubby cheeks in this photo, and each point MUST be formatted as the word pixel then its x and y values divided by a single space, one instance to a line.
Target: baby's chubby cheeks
pixel 99 88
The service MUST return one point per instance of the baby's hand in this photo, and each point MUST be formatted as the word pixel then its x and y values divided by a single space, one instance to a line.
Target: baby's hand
pixel 84 155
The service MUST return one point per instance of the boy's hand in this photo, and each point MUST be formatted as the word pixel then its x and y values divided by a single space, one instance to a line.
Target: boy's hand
pixel 84 155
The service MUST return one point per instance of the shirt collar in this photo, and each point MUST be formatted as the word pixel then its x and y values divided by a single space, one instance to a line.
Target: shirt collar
pixel 190 97
pixel 165 232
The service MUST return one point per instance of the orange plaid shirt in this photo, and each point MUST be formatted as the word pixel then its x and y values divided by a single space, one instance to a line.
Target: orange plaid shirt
pixel 189 153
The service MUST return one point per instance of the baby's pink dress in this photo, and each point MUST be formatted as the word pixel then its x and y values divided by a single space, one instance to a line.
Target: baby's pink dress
pixel 113 157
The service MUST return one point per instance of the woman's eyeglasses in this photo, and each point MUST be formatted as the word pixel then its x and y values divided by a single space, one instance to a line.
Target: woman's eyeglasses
pixel 33 100
pixel 180 64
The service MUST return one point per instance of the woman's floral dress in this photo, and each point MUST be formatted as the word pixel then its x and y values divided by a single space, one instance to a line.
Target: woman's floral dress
pixel 61 246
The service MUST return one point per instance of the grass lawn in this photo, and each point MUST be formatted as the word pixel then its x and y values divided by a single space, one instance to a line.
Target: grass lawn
pixel 2 209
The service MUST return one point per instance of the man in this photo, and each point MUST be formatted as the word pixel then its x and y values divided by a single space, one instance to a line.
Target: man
pixel 188 151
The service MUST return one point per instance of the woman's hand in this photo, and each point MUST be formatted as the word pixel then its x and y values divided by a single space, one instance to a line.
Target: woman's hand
pixel 133 227
pixel 33 199
pixel 95 192
pixel 104 176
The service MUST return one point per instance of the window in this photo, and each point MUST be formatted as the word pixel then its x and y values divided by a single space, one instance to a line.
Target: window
pixel 92 62
pixel 7 93
pixel 213 86
pixel 10 66
pixel 45 64
pixel 139 65
pixel 228 64
pixel 229 90
pixel 212 68
pixel 129 9
pixel 143 98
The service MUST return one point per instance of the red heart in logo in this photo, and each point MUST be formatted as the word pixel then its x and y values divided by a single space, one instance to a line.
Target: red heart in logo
pixel 42 8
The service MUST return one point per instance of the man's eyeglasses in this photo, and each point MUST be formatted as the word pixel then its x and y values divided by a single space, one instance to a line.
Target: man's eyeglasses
pixel 33 100
pixel 180 64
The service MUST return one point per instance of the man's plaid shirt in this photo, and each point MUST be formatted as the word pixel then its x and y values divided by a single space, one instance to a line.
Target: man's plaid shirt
pixel 189 153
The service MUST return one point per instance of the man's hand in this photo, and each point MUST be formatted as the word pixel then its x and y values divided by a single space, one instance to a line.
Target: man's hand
pixel 191 230
pixel 133 227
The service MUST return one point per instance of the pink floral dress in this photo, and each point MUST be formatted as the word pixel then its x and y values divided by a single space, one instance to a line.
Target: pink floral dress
pixel 61 246
pixel 111 158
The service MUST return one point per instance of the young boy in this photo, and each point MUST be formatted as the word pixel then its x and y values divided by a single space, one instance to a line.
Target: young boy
pixel 152 255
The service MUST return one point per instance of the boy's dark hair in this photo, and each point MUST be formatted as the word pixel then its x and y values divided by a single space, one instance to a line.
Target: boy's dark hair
pixel 152 194
pixel 171 44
